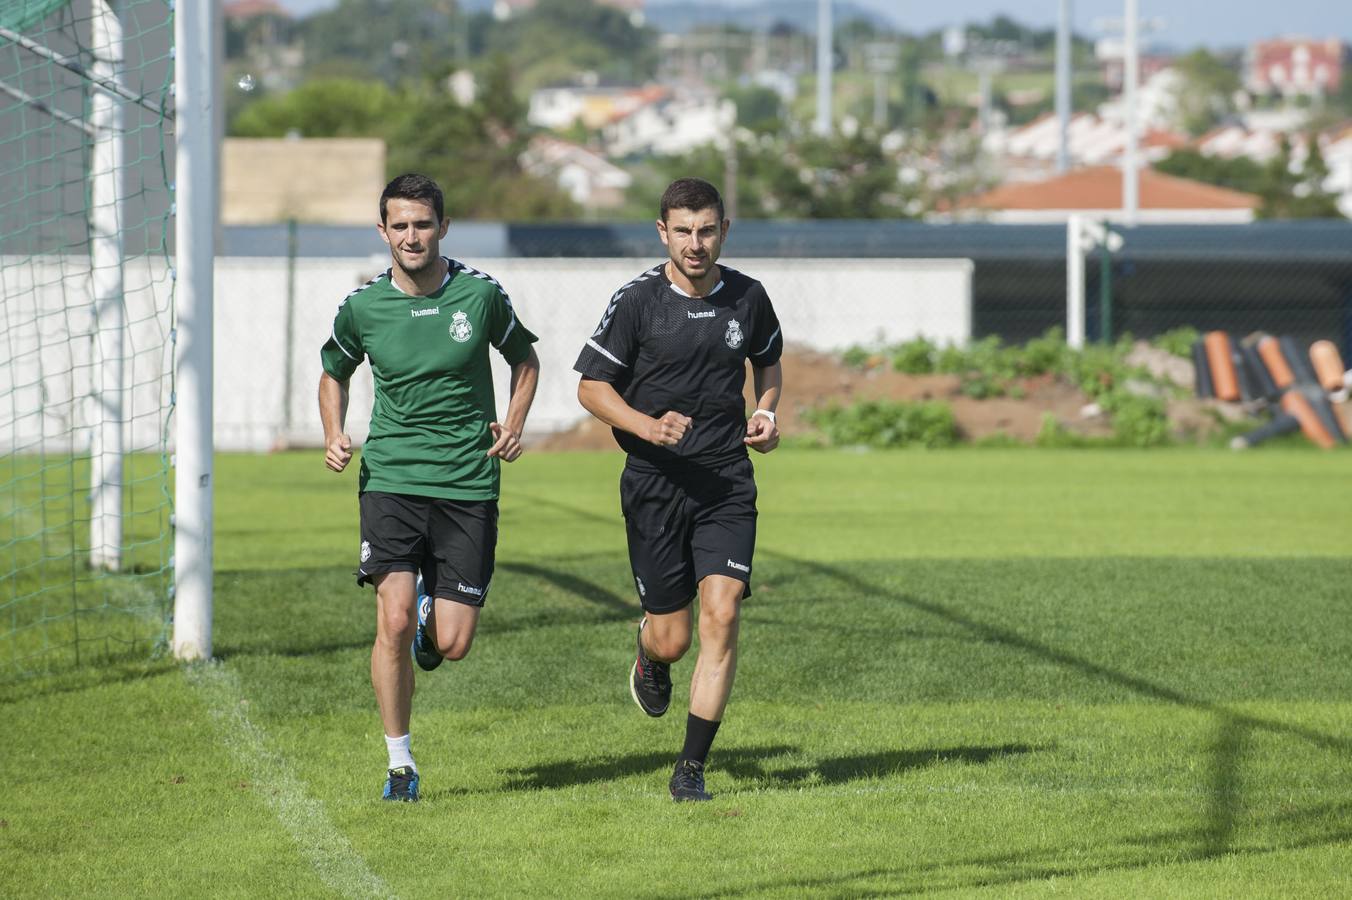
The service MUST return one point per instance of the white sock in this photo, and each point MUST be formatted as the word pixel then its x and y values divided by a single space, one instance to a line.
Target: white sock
pixel 400 755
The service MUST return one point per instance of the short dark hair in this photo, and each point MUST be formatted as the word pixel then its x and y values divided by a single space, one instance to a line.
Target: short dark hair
pixel 412 186
pixel 692 194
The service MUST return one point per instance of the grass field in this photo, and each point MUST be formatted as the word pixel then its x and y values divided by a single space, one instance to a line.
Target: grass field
pixel 985 672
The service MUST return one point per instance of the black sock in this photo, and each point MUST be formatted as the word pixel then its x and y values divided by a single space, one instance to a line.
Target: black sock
pixel 699 737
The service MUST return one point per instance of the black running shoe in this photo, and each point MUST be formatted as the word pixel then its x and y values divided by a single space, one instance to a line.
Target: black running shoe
pixel 650 681
pixel 402 785
pixel 687 782
pixel 424 648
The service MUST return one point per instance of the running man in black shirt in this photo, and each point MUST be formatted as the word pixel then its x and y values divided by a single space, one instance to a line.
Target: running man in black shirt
pixel 665 369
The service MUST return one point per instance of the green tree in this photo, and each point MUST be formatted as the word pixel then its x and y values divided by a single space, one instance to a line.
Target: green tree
pixel 759 109
pixel 473 151
pixel 811 178
pixel 559 38
pixel 340 107
pixel 393 40
pixel 1299 194
pixel 1205 91
pixel 1240 173
pixel 1285 194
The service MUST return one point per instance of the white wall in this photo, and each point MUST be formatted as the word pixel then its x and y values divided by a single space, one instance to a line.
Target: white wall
pixel 822 303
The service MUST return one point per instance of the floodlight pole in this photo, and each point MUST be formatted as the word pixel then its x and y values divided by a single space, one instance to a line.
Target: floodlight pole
pixel 1130 75
pixel 196 100
pixel 105 262
pixel 825 57
pixel 1063 87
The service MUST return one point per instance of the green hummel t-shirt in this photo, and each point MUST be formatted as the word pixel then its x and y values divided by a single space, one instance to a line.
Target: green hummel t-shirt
pixel 433 385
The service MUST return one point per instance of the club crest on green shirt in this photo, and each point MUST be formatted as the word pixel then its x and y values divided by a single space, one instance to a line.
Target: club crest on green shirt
pixel 460 328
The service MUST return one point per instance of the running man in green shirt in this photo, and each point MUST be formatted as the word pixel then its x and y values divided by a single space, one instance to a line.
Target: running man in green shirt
pixel 428 485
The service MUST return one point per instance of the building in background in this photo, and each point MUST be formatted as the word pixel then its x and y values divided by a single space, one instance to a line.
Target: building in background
pixel 318 180
pixel 590 105
pixel 590 179
pixel 671 125
pixel 1296 67
pixel 1097 192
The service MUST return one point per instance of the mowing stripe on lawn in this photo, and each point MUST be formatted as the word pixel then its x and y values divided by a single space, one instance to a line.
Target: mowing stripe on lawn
pixel 329 852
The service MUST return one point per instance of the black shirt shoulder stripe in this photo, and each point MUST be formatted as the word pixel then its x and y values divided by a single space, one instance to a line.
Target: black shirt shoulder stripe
pixel 615 298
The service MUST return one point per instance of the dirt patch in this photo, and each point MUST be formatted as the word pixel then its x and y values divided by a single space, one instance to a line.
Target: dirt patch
pixel 813 379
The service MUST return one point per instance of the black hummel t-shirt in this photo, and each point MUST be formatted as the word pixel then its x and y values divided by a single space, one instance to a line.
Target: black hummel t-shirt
pixel 664 350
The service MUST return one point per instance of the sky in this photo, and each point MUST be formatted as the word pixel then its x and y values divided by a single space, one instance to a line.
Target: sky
pixel 1185 23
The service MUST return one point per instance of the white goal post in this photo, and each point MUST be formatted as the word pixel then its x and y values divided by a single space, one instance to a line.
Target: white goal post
pixel 197 69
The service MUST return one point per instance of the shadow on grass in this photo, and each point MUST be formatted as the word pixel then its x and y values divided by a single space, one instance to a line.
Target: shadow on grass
pixel 327 633
pixel 1212 840
pixel 613 604
pixel 750 764
pixel 1163 848
pixel 88 677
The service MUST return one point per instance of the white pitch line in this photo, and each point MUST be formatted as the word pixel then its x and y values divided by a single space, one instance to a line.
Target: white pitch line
pixel 329 852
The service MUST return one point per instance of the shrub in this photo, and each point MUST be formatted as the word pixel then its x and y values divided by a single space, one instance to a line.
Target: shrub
pixel 856 357
pixel 914 357
pixel 1138 421
pixel 881 423
pixel 1179 341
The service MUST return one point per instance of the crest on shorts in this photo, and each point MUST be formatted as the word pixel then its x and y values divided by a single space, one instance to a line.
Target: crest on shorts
pixel 365 550
pixel 733 336
pixel 460 328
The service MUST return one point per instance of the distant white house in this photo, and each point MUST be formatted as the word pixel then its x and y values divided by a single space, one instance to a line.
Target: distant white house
pixel 1093 139
pixel 671 126
pixel 1337 150
pixel 1296 67
pixel 561 107
pixel 1030 151
pixel 1263 145
pixel 593 182
pixel 1234 141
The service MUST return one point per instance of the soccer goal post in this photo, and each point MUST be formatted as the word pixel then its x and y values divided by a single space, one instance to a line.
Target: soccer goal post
pixel 197 214
pixel 95 305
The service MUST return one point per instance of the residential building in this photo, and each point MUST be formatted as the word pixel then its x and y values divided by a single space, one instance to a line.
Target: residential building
pixel 561 107
pixel 1098 138
pixel 593 182
pixel 1097 192
pixel 671 126
pixel 1296 67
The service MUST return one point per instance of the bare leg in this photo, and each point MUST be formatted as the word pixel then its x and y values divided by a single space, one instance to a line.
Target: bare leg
pixel 667 635
pixel 454 625
pixel 391 666
pixel 719 610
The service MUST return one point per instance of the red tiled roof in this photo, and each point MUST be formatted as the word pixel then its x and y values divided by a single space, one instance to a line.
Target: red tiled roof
pixel 1168 139
pixel 1100 187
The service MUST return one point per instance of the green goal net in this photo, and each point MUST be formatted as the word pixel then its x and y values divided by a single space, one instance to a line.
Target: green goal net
pixel 86 357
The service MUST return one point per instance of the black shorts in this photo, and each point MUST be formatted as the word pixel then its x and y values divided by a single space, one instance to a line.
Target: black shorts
pixel 451 542
pixel 686 524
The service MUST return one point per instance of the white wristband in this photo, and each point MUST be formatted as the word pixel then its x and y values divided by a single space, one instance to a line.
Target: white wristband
pixel 765 412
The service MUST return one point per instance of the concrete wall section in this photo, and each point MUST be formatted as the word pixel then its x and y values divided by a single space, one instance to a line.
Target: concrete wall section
pixel 822 304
